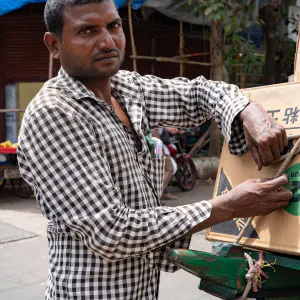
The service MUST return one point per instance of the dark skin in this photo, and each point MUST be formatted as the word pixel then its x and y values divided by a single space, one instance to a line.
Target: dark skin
pixel 92 49
pixel 92 46
pixel 266 139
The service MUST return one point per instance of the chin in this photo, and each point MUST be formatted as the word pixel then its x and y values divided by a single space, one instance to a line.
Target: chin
pixel 102 74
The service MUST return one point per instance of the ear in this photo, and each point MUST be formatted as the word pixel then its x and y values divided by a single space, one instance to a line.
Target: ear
pixel 51 40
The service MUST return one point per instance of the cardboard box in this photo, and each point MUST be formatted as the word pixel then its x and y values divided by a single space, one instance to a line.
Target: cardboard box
pixel 279 231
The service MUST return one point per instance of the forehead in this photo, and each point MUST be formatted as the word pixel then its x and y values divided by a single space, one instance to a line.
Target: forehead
pixel 102 12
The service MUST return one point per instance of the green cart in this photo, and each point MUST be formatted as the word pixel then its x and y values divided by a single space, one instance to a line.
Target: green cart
pixel 223 272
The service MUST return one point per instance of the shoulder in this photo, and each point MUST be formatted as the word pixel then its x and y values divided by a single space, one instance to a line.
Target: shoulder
pixel 126 82
pixel 49 94
pixel 50 99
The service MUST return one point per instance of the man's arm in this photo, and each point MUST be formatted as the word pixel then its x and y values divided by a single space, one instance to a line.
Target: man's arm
pixel 61 158
pixel 187 103
pixel 254 197
pixel 265 138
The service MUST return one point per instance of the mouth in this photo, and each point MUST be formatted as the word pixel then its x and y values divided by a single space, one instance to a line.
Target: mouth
pixel 106 57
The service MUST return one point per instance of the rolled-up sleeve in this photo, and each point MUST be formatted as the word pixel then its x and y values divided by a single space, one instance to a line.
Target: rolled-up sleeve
pixel 60 156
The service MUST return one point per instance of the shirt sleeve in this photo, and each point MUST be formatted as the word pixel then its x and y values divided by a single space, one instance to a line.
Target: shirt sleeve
pixel 188 103
pixel 60 156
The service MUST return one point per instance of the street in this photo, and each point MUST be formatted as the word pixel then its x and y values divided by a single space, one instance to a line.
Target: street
pixel 24 257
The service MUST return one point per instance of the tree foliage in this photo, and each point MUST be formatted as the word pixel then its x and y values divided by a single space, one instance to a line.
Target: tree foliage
pixel 236 16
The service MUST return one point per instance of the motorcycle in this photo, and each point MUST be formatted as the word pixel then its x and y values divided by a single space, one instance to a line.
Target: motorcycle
pixel 186 175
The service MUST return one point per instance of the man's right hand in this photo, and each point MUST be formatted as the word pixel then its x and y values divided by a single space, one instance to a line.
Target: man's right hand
pixel 256 197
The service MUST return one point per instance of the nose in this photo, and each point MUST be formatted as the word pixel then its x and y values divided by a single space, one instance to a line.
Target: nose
pixel 105 40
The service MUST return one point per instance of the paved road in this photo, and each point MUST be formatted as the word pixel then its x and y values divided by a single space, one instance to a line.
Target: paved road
pixel 23 263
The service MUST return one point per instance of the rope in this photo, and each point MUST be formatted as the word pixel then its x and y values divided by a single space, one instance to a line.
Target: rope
pixel 287 159
pixel 255 276
pixel 256 269
pixel 249 276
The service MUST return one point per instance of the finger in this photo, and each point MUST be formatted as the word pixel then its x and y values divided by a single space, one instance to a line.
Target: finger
pixel 275 150
pixel 266 154
pixel 275 206
pixel 285 195
pixel 280 135
pixel 280 141
pixel 284 138
pixel 261 180
pixel 282 204
pixel 256 156
pixel 276 183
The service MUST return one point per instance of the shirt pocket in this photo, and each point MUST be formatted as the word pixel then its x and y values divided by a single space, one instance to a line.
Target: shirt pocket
pixel 153 170
pixel 157 174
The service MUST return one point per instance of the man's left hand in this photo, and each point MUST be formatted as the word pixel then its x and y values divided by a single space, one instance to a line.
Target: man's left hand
pixel 265 138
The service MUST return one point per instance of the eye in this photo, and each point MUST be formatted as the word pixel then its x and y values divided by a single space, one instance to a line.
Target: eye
pixel 87 30
pixel 115 25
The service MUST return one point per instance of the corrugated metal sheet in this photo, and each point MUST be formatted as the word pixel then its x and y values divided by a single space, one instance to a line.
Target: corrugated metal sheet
pixel 25 56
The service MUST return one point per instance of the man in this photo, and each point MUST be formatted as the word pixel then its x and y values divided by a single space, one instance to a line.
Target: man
pixel 82 148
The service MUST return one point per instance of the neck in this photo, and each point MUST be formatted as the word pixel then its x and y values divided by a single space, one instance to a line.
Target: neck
pixel 101 88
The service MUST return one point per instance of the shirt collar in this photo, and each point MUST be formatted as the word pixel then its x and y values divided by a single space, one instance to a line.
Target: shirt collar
pixel 130 97
pixel 75 89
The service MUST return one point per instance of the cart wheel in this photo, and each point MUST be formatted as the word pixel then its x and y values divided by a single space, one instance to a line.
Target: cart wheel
pixel 21 188
pixel 2 182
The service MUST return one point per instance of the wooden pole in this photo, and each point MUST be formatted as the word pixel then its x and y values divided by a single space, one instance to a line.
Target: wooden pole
pixel 181 50
pixel 169 59
pixel 217 74
pixel 243 77
pixel 11 110
pixel 203 140
pixel 50 73
pixel 134 53
pixel 211 55
pixel 153 52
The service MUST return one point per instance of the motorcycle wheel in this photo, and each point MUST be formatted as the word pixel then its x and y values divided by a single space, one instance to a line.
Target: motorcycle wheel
pixel 186 174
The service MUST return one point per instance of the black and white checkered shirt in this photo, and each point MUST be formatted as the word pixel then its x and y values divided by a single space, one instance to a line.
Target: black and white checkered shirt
pixel 96 182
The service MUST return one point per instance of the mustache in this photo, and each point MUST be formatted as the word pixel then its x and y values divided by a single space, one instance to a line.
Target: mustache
pixel 107 51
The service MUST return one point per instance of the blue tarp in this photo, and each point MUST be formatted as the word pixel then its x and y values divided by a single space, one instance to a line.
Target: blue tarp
pixel 135 4
pixel 7 6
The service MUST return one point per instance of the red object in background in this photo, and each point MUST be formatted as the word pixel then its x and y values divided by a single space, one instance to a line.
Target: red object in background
pixel 173 150
pixel 6 150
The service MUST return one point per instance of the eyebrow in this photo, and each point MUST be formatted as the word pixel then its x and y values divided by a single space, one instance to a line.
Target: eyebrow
pixel 92 24
pixel 117 20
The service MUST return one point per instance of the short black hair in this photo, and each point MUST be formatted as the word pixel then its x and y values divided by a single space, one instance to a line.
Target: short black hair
pixel 53 13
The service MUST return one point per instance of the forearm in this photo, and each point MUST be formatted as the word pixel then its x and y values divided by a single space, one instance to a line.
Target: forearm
pixel 219 213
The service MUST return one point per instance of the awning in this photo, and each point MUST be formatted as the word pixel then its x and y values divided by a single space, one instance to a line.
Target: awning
pixel 163 6
pixel 7 6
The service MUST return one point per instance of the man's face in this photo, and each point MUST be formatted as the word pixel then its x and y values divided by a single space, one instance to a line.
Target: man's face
pixel 93 41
